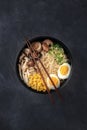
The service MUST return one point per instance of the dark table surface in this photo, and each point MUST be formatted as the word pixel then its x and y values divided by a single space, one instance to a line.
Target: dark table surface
pixel 21 109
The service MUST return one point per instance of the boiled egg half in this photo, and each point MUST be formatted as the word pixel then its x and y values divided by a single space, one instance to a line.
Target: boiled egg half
pixel 55 80
pixel 64 71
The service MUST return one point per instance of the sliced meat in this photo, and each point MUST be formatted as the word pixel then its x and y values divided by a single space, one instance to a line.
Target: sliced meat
pixel 30 63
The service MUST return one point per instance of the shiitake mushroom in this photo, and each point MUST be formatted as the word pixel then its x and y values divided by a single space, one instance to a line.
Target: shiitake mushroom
pixel 37 46
pixel 45 47
pixel 48 42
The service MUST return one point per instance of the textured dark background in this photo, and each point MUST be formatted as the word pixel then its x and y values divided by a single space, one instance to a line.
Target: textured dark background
pixel 21 109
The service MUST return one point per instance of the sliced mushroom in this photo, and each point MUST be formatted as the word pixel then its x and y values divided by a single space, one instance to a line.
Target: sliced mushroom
pixel 27 51
pixel 48 42
pixel 37 46
pixel 21 58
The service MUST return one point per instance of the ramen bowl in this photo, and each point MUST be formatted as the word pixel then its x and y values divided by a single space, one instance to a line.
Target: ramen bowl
pixel 56 59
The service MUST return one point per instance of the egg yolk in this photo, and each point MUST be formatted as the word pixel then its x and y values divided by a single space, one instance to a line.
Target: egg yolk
pixel 55 80
pixel 64 70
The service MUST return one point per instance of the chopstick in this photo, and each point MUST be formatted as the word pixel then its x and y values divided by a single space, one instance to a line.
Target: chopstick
pixel 58 93
pixel 50 96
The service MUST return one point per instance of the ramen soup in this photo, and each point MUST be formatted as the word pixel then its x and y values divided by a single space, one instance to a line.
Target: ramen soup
pixel 54 59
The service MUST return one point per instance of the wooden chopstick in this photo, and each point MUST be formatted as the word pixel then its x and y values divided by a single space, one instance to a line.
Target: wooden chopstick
pixel 58 93
pixel 50 96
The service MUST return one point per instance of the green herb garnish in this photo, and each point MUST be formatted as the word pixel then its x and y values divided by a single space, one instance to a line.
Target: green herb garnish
pixel 58 53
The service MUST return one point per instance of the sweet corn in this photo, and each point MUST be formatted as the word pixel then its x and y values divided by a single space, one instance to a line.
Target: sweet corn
pixel 36 82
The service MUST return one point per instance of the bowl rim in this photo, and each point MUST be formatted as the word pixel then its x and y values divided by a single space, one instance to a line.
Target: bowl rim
pixel 66 49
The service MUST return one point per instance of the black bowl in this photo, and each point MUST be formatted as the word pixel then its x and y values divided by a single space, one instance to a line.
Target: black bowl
pixel 41 38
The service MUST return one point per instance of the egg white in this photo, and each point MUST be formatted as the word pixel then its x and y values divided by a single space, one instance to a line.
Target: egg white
pixel 51 86
pixel 64 76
